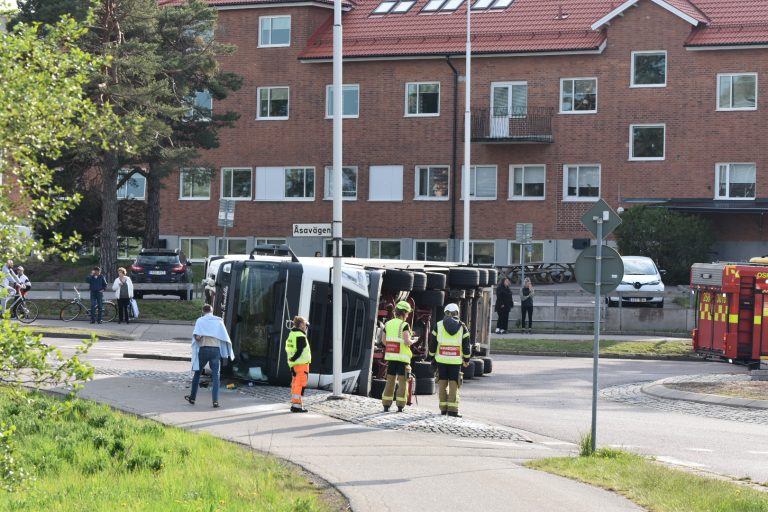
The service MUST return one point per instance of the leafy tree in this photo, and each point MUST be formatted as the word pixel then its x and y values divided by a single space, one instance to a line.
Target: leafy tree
pixel 673 240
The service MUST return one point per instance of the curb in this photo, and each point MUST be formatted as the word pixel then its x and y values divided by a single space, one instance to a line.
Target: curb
pixel 161 357
pixel 72 335
pixel 659 390
pixel 588 354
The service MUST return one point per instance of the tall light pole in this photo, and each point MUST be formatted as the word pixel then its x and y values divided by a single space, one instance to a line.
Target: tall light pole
pixel 337 195
pixel 467 134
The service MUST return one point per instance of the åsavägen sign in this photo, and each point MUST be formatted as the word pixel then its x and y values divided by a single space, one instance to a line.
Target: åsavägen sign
pixel 312 230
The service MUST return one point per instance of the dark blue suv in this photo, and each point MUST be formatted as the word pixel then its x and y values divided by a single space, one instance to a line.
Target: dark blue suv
pixel 167 266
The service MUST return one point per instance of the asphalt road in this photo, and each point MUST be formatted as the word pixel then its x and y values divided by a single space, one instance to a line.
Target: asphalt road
pixel 551 397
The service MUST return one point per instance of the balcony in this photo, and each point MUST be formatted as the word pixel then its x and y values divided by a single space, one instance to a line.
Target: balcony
pixel 532 125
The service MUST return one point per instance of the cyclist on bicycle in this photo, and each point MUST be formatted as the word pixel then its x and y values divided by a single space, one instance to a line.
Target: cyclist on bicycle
pixel 23 284
pixel 9 281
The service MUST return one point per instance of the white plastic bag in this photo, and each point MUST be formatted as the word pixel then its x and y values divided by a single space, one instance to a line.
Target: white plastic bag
pixel 134 308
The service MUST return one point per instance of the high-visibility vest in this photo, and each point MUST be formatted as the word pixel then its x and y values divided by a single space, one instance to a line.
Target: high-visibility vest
pixel 290 348
pixel 448 345
pixel 395 347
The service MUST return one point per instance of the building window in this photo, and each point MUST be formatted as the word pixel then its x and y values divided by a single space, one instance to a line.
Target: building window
pixel 273 102
pixel 274 31
pixel 236 182
pixel 128 248
pixel 384 249
pixel 735 181
pixel 385 183
pixel 432 183
pixel 201 106
pixel 526 181
pixel 347 248
pixel 649 69
pixel 134 187
pixel 399 7
pixel 194 248
pixel 285 184
pixel 578 95
pixel 482 182
pixel 231 246
pixel 481 253
pixel 270 241
pixel 348 183
pixel 533 252
pixel 422 99
pixel 582 182
pixel 646 142
pixel 195 184
pixel 426 250
pixel 737 91
pixel 350 101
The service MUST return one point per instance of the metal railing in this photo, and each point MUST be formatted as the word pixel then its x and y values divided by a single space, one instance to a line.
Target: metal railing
pixel 517 125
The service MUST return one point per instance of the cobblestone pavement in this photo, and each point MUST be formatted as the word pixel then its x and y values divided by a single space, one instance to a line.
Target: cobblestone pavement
pixel 355 409
pixel 633 394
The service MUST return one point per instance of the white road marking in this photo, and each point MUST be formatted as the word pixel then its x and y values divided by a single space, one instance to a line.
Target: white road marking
pixel 678 462
pixel 757 453
pixel 699 449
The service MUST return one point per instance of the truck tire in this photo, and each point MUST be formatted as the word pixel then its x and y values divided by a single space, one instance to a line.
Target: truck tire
pixel 377 388
pixel 429 298
pixel 397 280
pixel 493 277
pixel 436 281
pixel 469 371
pixel 419 281
pixel 487 364
pixel 422 370
pixel 479 366
pixel 464 278
pixel 424 387
pixel 483 273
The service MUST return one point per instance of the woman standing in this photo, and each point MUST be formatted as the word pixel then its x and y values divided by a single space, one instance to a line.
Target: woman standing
pixel 504 303
pixel 526 303
pixel 123 288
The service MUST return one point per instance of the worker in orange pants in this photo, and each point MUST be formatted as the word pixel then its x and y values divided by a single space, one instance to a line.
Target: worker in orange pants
pixel 299 357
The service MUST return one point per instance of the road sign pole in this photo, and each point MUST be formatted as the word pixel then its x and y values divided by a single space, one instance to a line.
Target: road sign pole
pixel 596 346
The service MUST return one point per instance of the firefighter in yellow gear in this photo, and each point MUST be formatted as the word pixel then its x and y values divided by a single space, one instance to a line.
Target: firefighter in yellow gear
pixel 451 347
pixel 397 353
pixel 299 357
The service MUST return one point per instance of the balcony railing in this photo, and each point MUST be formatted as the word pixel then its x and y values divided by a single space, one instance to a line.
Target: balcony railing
pixel 532 125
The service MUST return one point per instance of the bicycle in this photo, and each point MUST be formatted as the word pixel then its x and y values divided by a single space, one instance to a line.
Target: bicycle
pixel 76 308
pixel 23 309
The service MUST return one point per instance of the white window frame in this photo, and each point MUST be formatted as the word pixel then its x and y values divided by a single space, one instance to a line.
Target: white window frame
pixel 328 244
pixel 270 45
pixel 327 181
pixel 232 171
pixel 632 143
pixel 577 198
pixel 379 241
pixel 276 240
pixel 720 108
pixel 314 183
pixel 417 114
pixel 329 98
pixel 124 195
pixel 473 181
pixel 472 244
pixel 426 241
pixel 573 100
pixel 513 243
pixel 728 182
pixel 271 175
pixel 188 254
pixel 226 241
pixel 394 183
pixel 183 172
pixel 649 52
pixel 512 196
pixel 258 103
pixel 423 197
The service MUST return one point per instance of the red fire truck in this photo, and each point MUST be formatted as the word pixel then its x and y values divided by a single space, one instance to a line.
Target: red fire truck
pixel 731 310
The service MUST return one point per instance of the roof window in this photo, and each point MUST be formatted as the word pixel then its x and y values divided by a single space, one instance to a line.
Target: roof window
pixel 481 5
pixel 390 6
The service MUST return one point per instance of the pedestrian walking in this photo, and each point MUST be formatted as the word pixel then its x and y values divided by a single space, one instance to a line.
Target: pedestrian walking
pixel 398 339
pixel 210 344
pixel 123 288
pixel 299 356
pixel 96 284
pixel 504 304
pixel 526 304
pixel 450 346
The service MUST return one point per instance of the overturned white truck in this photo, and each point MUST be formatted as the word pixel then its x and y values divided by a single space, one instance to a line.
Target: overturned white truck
pixel 259 294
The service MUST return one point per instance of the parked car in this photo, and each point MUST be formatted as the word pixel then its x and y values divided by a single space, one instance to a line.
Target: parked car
pixel 167 266
pixel 640 275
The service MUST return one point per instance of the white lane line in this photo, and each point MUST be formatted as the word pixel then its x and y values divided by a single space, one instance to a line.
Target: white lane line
pixel 678 462
pixel 757 453
pixel 699 449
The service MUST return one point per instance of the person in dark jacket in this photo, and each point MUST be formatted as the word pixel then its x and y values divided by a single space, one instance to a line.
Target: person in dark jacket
pixel 526 304
pixel 504 304
pixel 96 284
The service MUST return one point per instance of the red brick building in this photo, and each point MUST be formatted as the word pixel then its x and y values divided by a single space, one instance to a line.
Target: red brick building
pixel 643 101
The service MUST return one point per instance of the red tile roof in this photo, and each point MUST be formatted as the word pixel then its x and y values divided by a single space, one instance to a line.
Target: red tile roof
pixel 739 22
pixel 227 3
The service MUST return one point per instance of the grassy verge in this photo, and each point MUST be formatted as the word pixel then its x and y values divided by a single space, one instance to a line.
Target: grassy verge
pixel 607 347
pixel 655 487
pixel 83 456
pixel 188 310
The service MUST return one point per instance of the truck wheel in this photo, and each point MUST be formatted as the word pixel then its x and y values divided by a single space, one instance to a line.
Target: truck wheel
pixel 493 277
pixel 483 273
pixel 436 281
pixel 479 366
pixel 487 364
pixel 464 278
pixel 429 298
pixel 424 387
pixel 377 388
pixel 469 371
pixel 419 281
pixel 397 280
pixel 422 370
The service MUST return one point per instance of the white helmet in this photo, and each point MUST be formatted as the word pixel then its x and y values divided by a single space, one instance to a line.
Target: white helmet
pixel 451 309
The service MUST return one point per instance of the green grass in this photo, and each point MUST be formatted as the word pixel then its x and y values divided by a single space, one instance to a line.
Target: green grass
pixel 148 309
pixel 607 347
pixel 84 456
pixel 655 487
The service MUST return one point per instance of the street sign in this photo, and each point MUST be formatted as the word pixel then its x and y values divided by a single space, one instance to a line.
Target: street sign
pixel 226 213
pixel 523 232
pixel 601 209
pixel 306 230
pixel 612 269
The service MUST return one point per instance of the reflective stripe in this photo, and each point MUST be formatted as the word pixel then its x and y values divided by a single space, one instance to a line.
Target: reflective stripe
pixel 448 345
pixel 758 320
pixel 290 349
pixel 734 319
pixel 396 349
